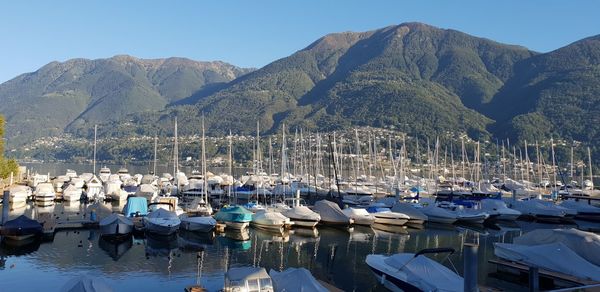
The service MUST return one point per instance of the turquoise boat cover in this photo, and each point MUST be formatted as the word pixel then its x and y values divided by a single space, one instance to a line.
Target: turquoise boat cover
pixel 234 214
pixel 136 206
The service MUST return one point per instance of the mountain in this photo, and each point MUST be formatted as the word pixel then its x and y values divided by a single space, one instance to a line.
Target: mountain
pixel 66 95
pixel 412 76
pixel 557 93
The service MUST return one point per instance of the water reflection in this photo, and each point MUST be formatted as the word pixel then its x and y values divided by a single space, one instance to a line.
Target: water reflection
pixel 332 255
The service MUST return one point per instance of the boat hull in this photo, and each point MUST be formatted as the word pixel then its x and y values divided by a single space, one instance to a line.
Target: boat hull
pixel 390 221
pixel 304 223
pixel 237 225
pixel 116 229
pixel 197 227
pixel 441 220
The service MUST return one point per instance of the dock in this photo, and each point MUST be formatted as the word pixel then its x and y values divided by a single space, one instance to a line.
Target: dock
pixel 51 224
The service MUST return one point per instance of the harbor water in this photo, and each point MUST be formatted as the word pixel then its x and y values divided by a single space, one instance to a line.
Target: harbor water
pixel 150 263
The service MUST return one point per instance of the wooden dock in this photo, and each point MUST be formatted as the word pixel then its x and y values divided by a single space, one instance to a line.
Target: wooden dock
pixel 50 224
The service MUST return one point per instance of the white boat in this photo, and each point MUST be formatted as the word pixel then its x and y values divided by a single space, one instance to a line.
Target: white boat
pixel 19 194
pixel 72 193
pixel 359 216
pixel 199 223
pixel 585 244
pixel 104 174
pixel 331 214
pixel 584 210
pixel 538 210
pixel 436 214
pixel 416 217
pixel 148 191
pixel 241 279
pixel 44 194
pixel 162 222
pixel 464 215
pixel 498 210
pixel 295 279
pixel 302 216
pixel 112 188
pixel 387 217
pixel 270 220
pixel 414 272
pixel 115 225
pixel 556 257
pixel 94 189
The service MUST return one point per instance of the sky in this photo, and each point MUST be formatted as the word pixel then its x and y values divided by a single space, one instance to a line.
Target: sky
pixel 253 33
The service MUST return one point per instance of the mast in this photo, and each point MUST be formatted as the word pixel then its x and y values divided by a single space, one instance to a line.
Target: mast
pixel 553 161
pixel 572 174
pixel 590 163
pixel 205 183
pixel 95 132
pixel 155 148
pixel 230 165
pixel 175 153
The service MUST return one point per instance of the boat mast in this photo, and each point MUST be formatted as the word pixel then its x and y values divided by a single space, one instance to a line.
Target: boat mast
pixel 590 163
pixel 175 153
pixel 95 132
pixel 205 182
pixel 230 166
pixel 155 148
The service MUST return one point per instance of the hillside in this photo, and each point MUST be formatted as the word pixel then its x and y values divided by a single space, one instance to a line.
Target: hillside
pixel 66 95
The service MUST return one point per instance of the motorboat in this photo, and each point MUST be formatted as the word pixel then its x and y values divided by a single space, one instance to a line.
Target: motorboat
pixel 148 191
pixel 104 173
pixel 136 207
pixel 21 228
pixel 331 214
pixel 162 222
pixel 234 217
pixel 270 220
pixel 72 193
pixel 112 188
pixel 19 194
pixel 295 279
pixel 416 217
pixel 360 216
pixel 465 215
pixel 198 207
pixel 44 194
pixel 94 190
pixel 116 225
pixel 556 257
pixel 198 223
pixel 585 244
pixel 436 214
pixel 498 210
pixel 415 272
pixel 247 279
pixel 584 210
pixel 386 216
pixel 254 207
pixel 537 209
pixel 302 216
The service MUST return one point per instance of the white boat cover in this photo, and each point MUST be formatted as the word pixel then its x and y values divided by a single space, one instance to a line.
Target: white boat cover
pixel 435 211
pixel 585 244
pixel 295 280
pixel 425 273
pixel 86 284
pixel 302 212
pixel 116 218
pixel 270 218
pixel 203 220
pixel 409 210
pixel 493 206
pixel 537 207
pixel 330 211
pixel 553 256
pixel 581 207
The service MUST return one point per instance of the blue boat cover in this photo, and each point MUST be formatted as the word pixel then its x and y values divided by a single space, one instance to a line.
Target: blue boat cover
pixel 136 206
pixel 234 214
pixel 21 226
pixel 377 209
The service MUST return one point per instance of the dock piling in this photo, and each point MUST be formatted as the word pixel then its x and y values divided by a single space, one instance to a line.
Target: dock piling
pixel 5 206
pixel 534 279
pixel 470 267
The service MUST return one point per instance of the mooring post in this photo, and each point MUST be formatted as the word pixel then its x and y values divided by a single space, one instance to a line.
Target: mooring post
pixel 470 267
pixel 5 206
pixel 534 279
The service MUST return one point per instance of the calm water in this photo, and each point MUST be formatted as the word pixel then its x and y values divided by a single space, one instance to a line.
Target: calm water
pixel 170 264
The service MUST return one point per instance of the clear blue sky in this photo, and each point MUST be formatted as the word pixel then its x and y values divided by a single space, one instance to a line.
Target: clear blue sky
pixel 253 33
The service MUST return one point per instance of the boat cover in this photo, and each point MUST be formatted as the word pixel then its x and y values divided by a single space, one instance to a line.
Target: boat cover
pixel 162 214
pixel 234 214
pixel 86 284
pixel 204 220
pixel 21 226
pixel 330 211
pixel 553 256
pixel 135 205
pixel 581 207
pixel 357 213
pixel 436 211
pixel 494 206
pixel 537 207
pixel 295 280
pixel 585 244
pixel 115 218
pixel 425 273
pixel 302 212
pixel 409 210
pixel 270 217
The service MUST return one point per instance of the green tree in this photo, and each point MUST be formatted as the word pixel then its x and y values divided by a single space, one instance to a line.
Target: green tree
pixel 6 165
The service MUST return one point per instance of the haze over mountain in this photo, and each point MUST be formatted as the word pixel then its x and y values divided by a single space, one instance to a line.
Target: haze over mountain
pixel 413 77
